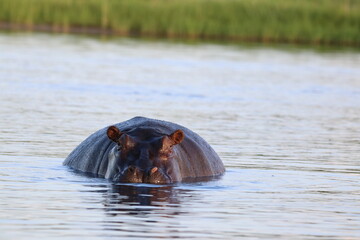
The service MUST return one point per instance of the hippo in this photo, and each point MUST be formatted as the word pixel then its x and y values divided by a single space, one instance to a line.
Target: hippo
pixel 144 150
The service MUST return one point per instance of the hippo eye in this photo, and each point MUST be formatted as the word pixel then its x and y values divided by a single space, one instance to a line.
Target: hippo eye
pixel 126 142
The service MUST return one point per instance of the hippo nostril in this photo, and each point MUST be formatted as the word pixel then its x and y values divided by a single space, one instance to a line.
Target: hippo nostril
pixel 131 169
pixel 131 174
pixel 157 175
pixel 153 170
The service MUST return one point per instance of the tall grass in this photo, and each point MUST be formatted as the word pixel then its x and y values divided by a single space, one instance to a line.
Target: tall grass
pixel 308 21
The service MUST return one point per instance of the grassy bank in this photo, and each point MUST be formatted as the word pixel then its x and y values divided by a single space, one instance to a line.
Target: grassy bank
pixel 304 21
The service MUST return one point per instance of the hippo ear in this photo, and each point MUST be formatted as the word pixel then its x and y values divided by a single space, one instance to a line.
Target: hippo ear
pixel 177 136
pixel 171 140
pixel 114 133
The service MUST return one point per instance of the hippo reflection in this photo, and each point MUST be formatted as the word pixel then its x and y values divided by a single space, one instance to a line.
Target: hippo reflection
pixel 124 198
pixel 143 150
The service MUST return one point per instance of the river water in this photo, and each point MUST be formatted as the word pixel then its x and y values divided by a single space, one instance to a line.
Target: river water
pixel 285 122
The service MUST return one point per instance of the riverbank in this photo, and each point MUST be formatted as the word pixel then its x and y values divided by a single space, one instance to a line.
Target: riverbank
pixel 324 22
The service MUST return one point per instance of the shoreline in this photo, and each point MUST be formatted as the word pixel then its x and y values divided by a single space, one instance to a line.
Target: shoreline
pixel 305 22
pixel 98 31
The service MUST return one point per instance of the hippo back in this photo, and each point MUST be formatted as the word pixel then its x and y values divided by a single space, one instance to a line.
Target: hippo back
pixel 194 155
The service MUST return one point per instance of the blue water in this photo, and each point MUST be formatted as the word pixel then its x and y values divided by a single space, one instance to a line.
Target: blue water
pixel 286 123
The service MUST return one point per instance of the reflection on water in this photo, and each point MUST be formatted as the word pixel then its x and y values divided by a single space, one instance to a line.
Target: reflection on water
pixel 285 123
pixel 138 199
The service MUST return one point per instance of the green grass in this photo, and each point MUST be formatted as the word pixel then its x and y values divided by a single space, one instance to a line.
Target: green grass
pixel 301 21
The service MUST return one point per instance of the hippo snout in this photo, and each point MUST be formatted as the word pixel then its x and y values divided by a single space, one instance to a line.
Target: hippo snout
pixel 134 174
pixel 157 176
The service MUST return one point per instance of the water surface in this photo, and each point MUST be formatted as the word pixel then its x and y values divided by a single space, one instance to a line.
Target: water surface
pixel 286 124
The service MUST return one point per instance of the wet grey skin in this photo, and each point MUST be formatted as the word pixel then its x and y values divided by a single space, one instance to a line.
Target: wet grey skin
pixel 143 150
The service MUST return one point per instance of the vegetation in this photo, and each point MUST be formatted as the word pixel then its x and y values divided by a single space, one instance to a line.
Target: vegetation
pixel 304 21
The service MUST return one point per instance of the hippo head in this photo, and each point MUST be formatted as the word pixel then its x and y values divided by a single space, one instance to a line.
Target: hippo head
pixel 144 156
